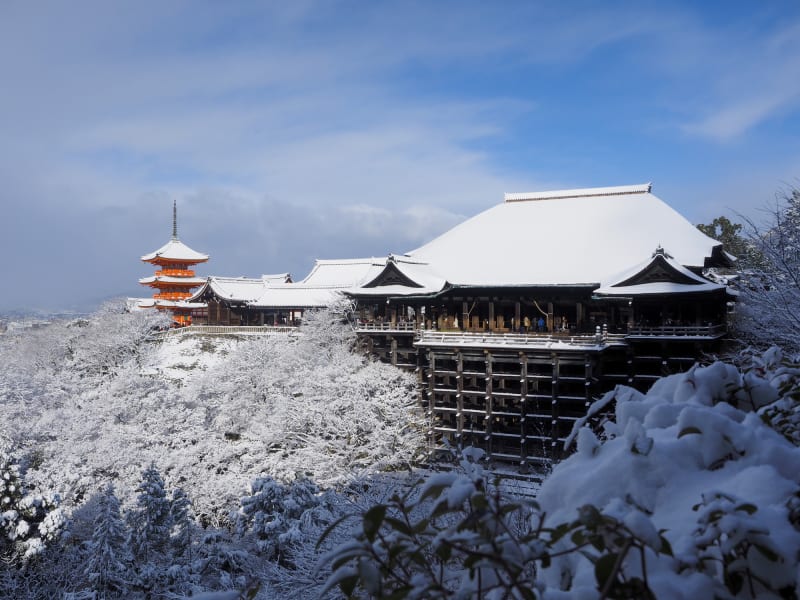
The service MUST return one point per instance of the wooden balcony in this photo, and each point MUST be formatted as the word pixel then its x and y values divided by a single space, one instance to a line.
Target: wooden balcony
pixel 175 273
pixel 687 332
pixel 176 296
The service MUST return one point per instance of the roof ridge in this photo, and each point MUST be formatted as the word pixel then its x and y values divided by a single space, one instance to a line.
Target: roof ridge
pixel 643 188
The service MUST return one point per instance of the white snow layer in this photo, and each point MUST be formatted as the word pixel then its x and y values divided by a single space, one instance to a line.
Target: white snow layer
pixel 690 448
pixel 572 240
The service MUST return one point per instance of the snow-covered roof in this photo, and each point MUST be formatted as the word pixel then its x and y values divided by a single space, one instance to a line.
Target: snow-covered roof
pixel 322 286
pixel 237 289
pixel 666 276
pixel 297 295
pixel 564 237
pixel 178 280
pixel 343 273
pixel 401 276
pixel 151 303
pixel 277 278
pixel 175 250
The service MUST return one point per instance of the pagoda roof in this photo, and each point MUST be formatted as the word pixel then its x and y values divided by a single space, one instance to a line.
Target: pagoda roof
pixel 151 303
pixel 193 281
pixel 175 250
pixel 577 237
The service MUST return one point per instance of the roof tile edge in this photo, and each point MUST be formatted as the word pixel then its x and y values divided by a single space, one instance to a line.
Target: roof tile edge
pixel 643 188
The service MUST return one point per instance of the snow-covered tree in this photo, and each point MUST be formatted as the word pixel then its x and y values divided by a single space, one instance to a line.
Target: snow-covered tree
pixel 277 515
pixel 109 556
pixel 769 306
pixel 28 521
pixel 151 520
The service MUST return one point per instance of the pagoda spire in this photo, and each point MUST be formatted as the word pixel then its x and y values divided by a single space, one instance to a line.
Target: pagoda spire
pixel 174 219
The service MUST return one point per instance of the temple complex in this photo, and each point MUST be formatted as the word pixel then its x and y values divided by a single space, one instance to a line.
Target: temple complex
pixel 517 319
pixel 175 279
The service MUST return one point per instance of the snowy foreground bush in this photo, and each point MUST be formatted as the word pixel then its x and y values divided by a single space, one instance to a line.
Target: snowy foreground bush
pixel 690 491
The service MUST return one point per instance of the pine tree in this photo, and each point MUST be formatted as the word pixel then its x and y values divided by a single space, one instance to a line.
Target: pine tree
pixel 107 564
pixel 182 521
pixel 151 522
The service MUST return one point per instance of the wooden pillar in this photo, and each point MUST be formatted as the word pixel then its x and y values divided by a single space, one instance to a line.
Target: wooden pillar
pixel 550 324
pixel 554 413
pixel 523 395
pixel 517 314
pixel 460 399
pixel 393 350
pixel 578 315
pixel 491 315
pixel 487 417
pixel 464 316
pixel 431 399
pixel 589 374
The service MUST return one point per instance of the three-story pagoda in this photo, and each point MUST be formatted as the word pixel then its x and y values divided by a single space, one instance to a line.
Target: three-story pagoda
pixel 175 279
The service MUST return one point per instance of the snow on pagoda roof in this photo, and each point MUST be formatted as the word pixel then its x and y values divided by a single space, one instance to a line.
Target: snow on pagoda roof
pixel 150 303
pixel 178 280
pixel 175 250
pixel 565 237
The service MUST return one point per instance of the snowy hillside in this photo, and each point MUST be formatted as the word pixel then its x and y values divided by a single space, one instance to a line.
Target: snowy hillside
pixel 95 405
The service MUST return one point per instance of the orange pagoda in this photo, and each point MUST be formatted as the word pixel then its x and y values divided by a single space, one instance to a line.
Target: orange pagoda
pixel 175 279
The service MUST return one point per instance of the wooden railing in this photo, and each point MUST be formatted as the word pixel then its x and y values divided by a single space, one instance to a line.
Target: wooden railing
pixel 230 330
pixel 175 273
pixel 366 326
pixel 678 331
pixel 172 296
pixel 538 340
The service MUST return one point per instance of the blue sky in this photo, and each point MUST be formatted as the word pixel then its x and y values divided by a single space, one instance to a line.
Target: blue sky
pixel 302 130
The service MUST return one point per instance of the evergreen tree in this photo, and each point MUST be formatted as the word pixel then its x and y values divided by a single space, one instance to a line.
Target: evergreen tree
pixel 151 522
pixel 181 515
pixel 728 233
pixel 109 554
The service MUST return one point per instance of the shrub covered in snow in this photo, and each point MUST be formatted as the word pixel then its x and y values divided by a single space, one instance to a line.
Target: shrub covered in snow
pixel 28 520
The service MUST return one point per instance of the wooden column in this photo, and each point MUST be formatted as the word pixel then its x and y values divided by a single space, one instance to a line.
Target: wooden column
pixel 523 395
pixel 554 413
pixel 550 324
pixel 464 316
pixel 431 399
pixel 460 399
pixel 517 314
pixel 487 417
pixel 491 315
